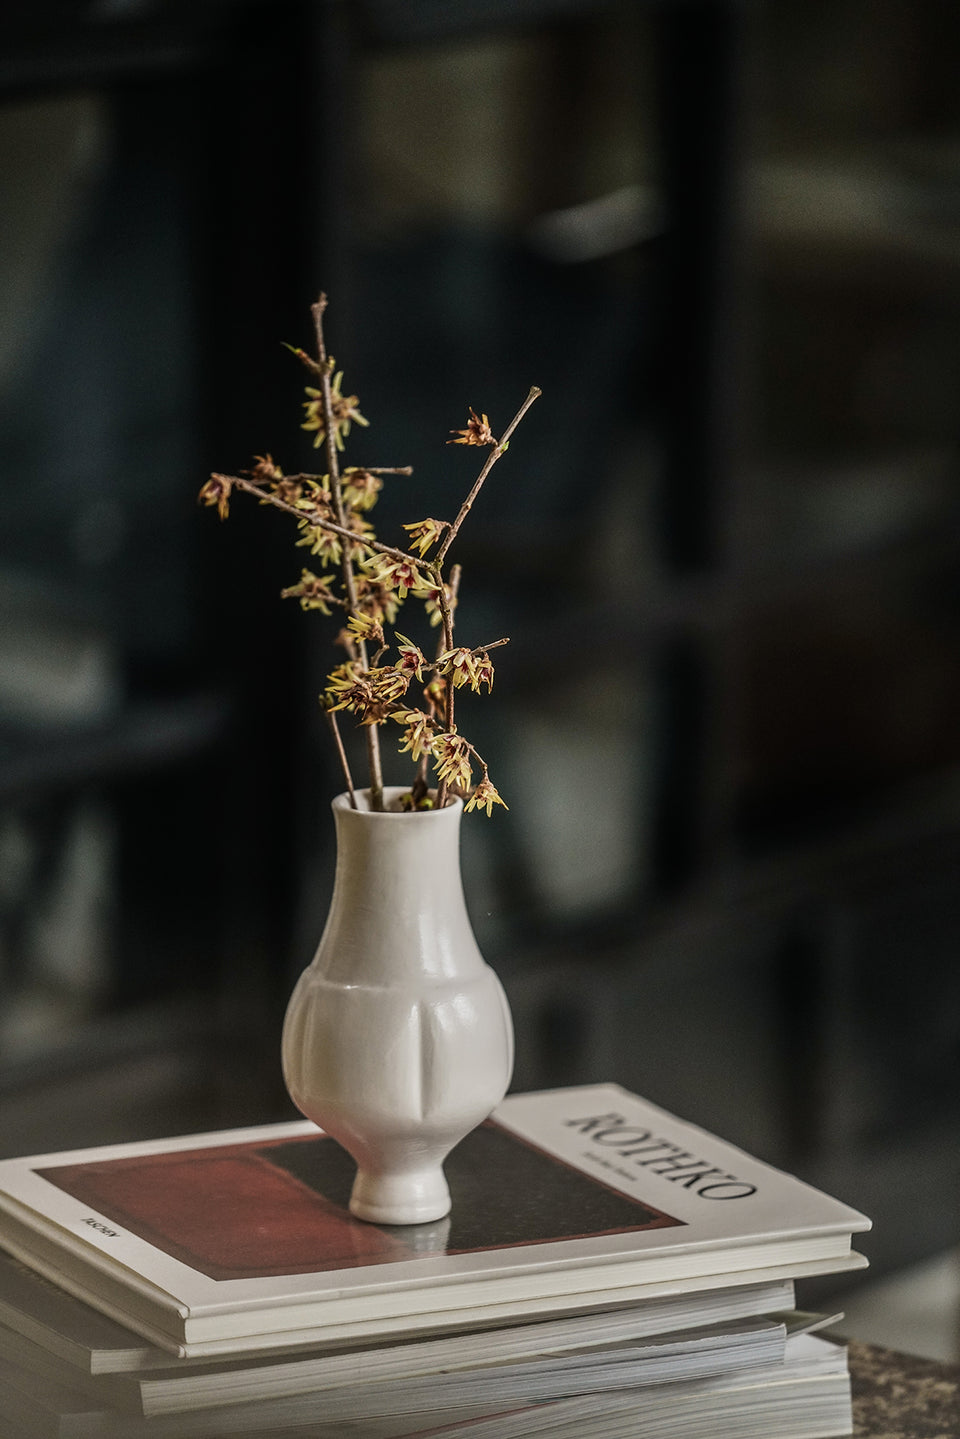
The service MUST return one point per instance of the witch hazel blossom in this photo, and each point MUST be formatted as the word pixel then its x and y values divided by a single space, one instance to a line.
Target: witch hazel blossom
pixel 367 582
pixel 483 796
pixel 361 488
pixel 401 574
pixel 418 732
pixel 424 534
pixel 342 413
pixel 434 598
pixel 452 753
pixel 313 592
pixel 411 657
pixel 466 667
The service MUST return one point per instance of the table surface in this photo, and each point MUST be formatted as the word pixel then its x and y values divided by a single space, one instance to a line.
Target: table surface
pixel 897 1396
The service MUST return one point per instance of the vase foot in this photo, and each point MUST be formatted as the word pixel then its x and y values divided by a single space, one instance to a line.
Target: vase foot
pixel 412 1197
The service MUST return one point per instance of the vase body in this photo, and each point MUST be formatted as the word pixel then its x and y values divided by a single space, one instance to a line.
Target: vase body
pixel 397 1039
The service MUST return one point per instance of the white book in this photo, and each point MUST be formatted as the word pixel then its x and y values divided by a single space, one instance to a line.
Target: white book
pixel 804 1396
pixel 566 1199
pixel 550 1371
pixel 807 1397
pixel 75 1337
pixel 480 1388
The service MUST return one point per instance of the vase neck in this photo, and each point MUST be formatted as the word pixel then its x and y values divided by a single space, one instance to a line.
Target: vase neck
pixel 398 906
pixel 401 853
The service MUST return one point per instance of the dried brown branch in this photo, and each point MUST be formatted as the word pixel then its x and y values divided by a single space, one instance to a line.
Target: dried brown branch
pixel 305 359
pixel 342 754
pixel 493 645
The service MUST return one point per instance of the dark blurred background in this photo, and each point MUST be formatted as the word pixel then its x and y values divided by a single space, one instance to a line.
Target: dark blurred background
pixel 725 241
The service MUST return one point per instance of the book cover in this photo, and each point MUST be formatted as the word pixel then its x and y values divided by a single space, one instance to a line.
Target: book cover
pixel 564 1198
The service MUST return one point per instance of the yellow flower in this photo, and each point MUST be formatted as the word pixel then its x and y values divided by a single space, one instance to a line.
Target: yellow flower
pixel 374 694
pixel 452 754
pixel 430 594
pixel 402 575
pixel 376 598
pixel 360 488
pixel 320 542
pixel 485 797
pixel 370 694
pixel 412 659
pixel 344 686
pixel 418 732
pixel 217 492
pixel 363 530
pixel 482 672
pixel 425 533
pixel 365 627
pixel 461 665
pixel 313 593
pixel 265 472
pixel 343 410
pixel 477 431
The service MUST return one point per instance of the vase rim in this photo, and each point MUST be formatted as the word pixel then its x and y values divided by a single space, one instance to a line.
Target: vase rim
pixel 391 792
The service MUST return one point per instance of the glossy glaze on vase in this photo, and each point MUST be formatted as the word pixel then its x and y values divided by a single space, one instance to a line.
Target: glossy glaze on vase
pixel 397 1039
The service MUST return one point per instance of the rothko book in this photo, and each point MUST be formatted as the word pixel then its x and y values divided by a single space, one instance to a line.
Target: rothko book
pixel 564 1200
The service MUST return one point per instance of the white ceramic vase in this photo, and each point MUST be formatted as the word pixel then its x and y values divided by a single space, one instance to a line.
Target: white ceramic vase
pixel 397 1039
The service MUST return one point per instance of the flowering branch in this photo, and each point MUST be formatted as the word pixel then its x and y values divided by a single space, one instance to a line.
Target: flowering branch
pixel 331 427
pixel 319 520
pixel 375 579
pixel 492 458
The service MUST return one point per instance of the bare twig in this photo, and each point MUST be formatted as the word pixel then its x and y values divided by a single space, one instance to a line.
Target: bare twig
pixel 456 574
pixel 306 360
pixel 443 604
pixel 446 617
pixel 344 763
pixel 493 645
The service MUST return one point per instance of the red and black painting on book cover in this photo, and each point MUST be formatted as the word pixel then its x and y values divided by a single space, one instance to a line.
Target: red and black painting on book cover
pixel 247 1211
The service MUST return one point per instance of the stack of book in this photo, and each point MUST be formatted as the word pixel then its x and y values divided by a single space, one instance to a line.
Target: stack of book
pixel 607 1270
